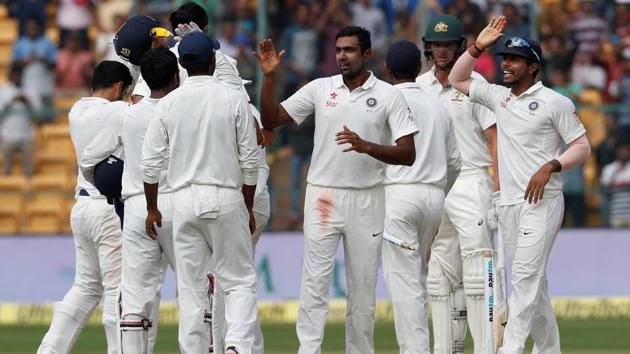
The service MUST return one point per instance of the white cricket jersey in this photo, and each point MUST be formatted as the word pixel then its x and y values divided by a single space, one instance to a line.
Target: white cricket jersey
pixel 224 71
pixel 469 119
pixel 376 111
pixel 128 136
pixel 532 129
pixel 436 145
pixel 88 117
pixel 206 131
pixel 262 190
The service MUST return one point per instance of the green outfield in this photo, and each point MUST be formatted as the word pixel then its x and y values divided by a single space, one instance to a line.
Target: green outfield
pixel 578 336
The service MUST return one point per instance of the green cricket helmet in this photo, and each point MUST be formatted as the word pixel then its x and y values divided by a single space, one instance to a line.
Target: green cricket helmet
pixel 444 28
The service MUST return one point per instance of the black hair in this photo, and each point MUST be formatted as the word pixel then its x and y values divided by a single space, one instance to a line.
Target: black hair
pixel 409 75
pixel 157 67
pixel 16 68
pixel 530 62
pixel 189 12
pixel 361 33
pixel 109 72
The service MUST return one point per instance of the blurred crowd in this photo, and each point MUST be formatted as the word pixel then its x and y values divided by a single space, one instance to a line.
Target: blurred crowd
pixel 586 46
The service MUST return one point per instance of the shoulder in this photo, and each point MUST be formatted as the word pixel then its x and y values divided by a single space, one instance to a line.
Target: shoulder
pixel 426 78
pixel 477 76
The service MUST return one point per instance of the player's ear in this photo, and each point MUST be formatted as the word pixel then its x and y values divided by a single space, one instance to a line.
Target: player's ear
pixel 533 67
pixel 367 55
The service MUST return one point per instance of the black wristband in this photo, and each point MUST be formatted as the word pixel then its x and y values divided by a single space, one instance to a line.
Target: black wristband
pixel 557 166
pixel 477 48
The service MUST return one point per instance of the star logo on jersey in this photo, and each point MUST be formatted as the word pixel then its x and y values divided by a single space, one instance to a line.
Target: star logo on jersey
pixel 533 106
pixel 333 96
pixel 506 101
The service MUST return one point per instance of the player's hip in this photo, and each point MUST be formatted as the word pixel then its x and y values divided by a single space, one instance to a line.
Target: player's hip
pixel 344 203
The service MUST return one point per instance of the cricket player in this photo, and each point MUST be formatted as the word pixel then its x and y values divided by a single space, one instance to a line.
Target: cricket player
pixel 95 225
pixel 206 131
pixel 533 122
pixel 414 200
pixel 145 259
pixel 456 269
pixel 345 200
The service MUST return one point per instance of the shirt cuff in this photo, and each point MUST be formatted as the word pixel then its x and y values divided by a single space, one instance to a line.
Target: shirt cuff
pixel 250 176
pixel 405 132
pixel 151 180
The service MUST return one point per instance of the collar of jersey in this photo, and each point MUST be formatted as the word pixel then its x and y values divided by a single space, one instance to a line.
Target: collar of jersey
pixel 532 89
pixel 150 101
pixel 199 79
pixel 96 99
pixel 405 85
pixel 371 81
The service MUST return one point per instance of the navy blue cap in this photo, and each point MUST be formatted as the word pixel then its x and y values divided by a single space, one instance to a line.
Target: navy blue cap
pixel 108 177
pixel 134 38
pixel 196 48
pixel 403 57
pixel 523 47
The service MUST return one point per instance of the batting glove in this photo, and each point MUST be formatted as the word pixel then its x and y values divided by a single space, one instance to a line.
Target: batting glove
pixel 493 212
pixel 184 29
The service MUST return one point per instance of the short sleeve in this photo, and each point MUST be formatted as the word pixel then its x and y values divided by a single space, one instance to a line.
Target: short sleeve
pixel 484 116
pixel 399 117
pixel 301 104
pixel 566 121
pixel 481 92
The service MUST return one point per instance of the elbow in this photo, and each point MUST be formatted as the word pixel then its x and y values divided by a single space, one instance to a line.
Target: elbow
pixel 410 158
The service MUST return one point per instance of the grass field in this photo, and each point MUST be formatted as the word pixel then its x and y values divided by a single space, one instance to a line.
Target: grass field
pixel 577 336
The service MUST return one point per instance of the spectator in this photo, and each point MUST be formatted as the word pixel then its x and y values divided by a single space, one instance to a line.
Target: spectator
pixel 557 55
pixel 560 84
pixel 616 178
pixel 300 40
pixel 25 9
pixel 74 65
pixel 624 116
pixel 334 17
pixel 104 46
pixel 227 38
pixel 587 73
pixel 573 191
pixel 605 152
pixel 74 15
pixel 588 28
pixel 17 116
pixel 372 18
pixel 38 56
pixel 515 27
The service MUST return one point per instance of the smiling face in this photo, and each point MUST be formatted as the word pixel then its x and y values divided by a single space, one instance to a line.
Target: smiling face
pixel 350 60
pixel 516 68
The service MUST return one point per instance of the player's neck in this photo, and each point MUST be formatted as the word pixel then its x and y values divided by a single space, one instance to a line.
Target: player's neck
pixel 157 94
pixel 522 85
pixel 107 94
pixel 402 81
pixel 442 76
pixel 356 81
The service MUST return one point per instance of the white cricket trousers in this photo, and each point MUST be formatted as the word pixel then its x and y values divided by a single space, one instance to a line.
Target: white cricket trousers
pixel 412 214
pixel 144 263
pixel 218 316
pixel 355 216
pixel 529 231
pixel 225 237
pixel 97 240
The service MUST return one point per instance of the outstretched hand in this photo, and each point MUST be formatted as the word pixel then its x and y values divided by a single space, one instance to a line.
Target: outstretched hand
pixel 184 29
pixel 491 34
pixel 268 58
pixel 357 144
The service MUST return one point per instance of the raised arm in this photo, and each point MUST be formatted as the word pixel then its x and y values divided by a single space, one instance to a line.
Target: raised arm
pixel 272 113
pixel 460 76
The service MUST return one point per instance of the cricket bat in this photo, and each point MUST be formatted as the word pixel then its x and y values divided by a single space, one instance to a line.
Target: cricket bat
pixel 500 308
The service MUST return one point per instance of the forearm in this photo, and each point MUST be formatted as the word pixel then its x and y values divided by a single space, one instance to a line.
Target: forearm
pixel 248 194
pixel 393 155
pixel 460 76
pixel 579 150
pixel 492 146
pixel 269 102
pixel 151 195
